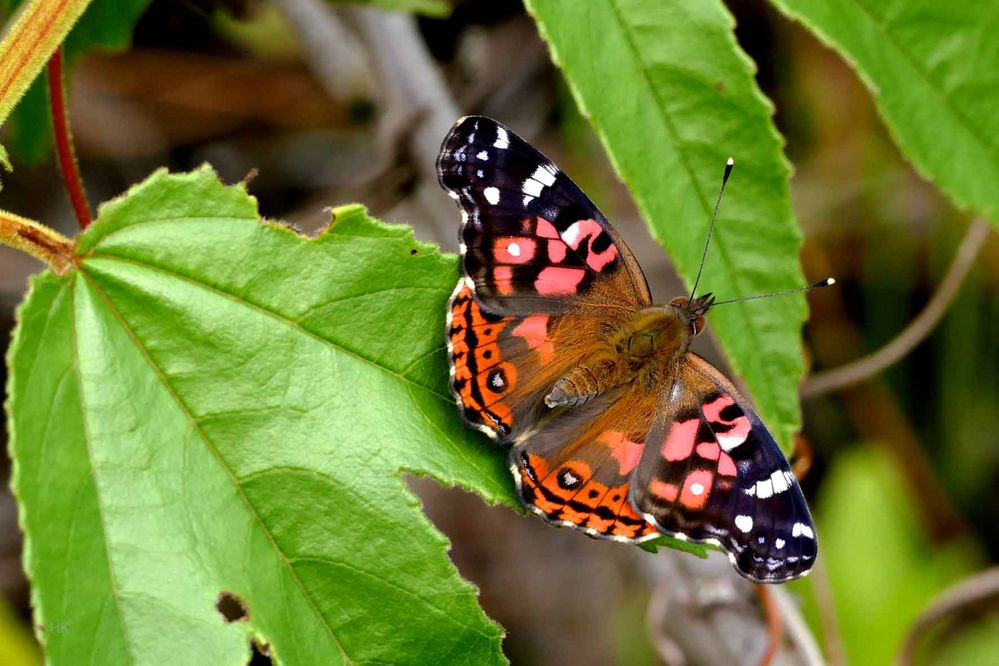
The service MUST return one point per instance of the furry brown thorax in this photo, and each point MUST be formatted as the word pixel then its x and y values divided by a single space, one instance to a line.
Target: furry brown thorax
pixel 640 349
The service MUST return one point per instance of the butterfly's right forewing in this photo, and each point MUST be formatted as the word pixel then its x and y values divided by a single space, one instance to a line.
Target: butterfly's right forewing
pixel 711 472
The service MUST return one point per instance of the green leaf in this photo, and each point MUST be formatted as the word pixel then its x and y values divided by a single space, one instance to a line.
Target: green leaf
pixel 664 541
pixel 210 404
pixel 931 67
pixel 672 96
pixel 106 25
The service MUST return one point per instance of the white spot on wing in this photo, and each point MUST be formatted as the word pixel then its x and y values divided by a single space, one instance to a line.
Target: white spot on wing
pixel 764 489
pixel 513 250
pixel 483 155
pixel 728 441
pixel 545 174
pixel 779 482
pixel 491 194
pixel 779 543
pixel 502 139
pixel 801 529
pixel 696 489
pixel 570 235
pixel 532 187
pixel 744 523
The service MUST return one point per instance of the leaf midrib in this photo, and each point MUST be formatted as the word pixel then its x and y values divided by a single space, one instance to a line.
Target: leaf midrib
pixel 85 431
pixel 291 323
pixel 705 205
pixel 218 456
pixel 276 315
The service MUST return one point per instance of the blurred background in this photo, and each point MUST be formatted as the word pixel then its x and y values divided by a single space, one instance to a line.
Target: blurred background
pixel 330 105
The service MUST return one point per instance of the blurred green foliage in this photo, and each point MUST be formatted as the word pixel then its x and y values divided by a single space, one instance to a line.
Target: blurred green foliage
pixel 881 567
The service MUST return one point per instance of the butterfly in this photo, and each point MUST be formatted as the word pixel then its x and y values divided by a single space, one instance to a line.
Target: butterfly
pixel 557 349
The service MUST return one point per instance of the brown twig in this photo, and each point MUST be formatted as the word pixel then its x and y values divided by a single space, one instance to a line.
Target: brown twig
pixel 826 608
pixel 804 455
pixel 970 591
pixel 332 51
pixel 64 141
pixel 870 365
pixel 799 635
pixel 775 629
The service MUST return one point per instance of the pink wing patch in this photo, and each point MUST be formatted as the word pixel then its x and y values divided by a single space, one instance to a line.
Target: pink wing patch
pixel 696 488
pixel 513 250
pixel 680 441
pixel 503 277
pixel 534 330
pixel 663 490
pixel 558 281
pixel 626 452
pixel 740 425
pixel 589 230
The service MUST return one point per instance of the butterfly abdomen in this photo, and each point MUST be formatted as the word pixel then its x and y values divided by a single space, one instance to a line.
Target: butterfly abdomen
pixel 642 348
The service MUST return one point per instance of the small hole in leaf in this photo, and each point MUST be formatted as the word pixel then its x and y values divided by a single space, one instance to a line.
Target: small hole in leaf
pixel 232 607
pixel 413 252
pixel 261 655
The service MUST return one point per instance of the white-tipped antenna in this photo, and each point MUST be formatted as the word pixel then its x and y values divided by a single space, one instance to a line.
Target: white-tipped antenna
pixel 711 226
pixel 828 282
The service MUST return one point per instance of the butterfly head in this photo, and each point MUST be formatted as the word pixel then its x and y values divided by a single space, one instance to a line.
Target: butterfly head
pixel 691 312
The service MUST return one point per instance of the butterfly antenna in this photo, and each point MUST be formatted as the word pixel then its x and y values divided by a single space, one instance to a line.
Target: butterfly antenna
pixel 828 282
pixel 711 226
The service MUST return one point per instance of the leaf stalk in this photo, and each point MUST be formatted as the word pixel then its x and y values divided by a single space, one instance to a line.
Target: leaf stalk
pixel 37 240
pixel 64 141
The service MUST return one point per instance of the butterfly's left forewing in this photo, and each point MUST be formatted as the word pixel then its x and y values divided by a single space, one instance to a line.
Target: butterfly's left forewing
pixel 712 473
pixel 531 240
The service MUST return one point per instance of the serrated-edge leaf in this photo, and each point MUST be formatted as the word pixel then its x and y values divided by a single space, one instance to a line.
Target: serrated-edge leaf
pixel 672 96
pixel 134 274
pixel 924 92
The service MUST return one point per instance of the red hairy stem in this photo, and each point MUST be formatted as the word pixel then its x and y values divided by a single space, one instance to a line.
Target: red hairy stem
pixel 64 141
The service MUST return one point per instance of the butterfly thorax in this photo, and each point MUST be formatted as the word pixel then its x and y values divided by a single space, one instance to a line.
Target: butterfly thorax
pixel 643 349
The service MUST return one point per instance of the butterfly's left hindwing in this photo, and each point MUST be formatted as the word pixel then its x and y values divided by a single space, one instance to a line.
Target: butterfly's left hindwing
pixel 712 473
pixel 575 468
pixel 503 366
